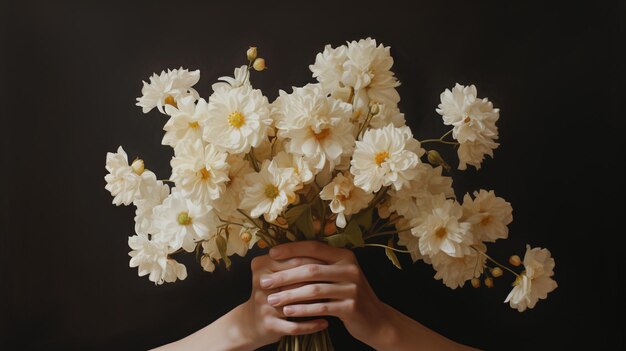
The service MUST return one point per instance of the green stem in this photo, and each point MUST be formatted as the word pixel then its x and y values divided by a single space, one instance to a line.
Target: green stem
pixel 494 261
pixel 388 247
pixel 387 232
pixel 253 160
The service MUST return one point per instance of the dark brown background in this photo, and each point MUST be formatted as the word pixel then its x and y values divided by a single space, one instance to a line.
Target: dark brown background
pixel 70 75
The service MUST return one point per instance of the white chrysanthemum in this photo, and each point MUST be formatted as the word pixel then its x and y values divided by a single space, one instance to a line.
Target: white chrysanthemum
pixel 269 192
pixel 314 125
pixel 211 252
pixel 328 67
pixel 474 123
pixel 124 181
pixel 345 198
pixel 535 282
pixel 185 122
pixel 181 223
pixel 455 271
pixel 386 156
pixel 199 171
pixel 151 258
pixel 415 198
pixel 367 70
pixel 387 115
pixel 489 215
pixel 241 78
pixel 228 202
pixel 443 231
pixel 301 169
pixel 238 119
pixel 408 240
pixel 167 89
pixel 152 195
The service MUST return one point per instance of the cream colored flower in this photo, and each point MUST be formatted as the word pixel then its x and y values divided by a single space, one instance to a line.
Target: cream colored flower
pixel 241 78
pixel 345 198
pixel 211 252
pixel 302 171
pixel 473 153
pixel 152 259
pixel 328 67
pixel 489 215
pixel 185 123
pixel 455 271
pixel 387 115
pixel 153 194
pixel 125 181
pixel 535 282
pixel 228 201
pixel 167 89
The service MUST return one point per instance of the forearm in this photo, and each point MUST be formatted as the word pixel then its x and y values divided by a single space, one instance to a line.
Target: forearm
pixel 224 334
pixel 399 333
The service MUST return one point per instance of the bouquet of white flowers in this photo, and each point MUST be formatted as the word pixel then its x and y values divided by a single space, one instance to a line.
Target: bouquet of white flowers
pixel 331 161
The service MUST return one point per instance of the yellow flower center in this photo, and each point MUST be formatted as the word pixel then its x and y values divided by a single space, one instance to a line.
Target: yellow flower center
pixel 322 134
pixel 236 119
pixel 381 157
pixel 183 218
pixel 169 100
pixel 271 191
pixel 519 279
pixel 441 232
pixel 204 173
pixel 194 125
pixel 486 220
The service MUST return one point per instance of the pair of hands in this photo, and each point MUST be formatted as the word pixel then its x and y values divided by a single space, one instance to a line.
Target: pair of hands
pixel 310 279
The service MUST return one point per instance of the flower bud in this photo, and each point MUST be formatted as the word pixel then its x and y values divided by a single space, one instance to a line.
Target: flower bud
pixel 251 53
pixel 246 237
pixel 259 64
pixel 281 222
pixel 489 282
pixel 496 272
pixel 137 166
pixel 330 228
pixel 515 260
pixel 475 282
pixel 374 109
pixel 435 158
pixel 262 244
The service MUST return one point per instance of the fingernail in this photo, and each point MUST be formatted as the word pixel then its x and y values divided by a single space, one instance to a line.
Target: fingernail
pixel 266 282
pixel 288 310
pixel 273 299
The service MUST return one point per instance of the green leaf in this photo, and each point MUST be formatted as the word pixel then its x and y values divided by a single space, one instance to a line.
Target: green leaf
pixel 305 223
pixel 292 214
pixel 337 240
pixel 352 234
pixel 364 218
pixel 391 255
pixel 221 247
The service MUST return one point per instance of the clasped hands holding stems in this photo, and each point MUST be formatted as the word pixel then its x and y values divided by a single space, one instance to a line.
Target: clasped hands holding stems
pixel 311 279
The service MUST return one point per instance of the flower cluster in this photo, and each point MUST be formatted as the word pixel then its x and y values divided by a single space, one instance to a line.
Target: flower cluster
pixel 332 161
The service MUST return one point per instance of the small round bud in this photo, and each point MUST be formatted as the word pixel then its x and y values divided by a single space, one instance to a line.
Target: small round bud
pixel 489 282
pixel 475 282
pixel 262 244
pixel 515 260
pixel 374 109
pixel 330 228
pixel 137 166
pixel 251 53
pixel 435 158
pixel 246 237
pixel 282 222
pixel 496 272
pixel 259 64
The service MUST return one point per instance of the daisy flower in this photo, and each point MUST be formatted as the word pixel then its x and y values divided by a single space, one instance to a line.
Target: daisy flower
pixel 489 215
pixel 386 156
pixel 535 282
pixel 168 88
pixel 345 198
pixel 228 201
pixel 455 271
pixel 152 259
pixel 185 121
pixel 153 194
pixel 241 78
pixel 124 181
pixel 328 67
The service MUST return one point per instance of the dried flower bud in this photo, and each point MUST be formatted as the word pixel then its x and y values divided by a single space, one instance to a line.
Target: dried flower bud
pixel 246 237
pixel 374 109
pixel 475 282
pixel 435 158
pixel 137 166
pixel 251 53
pixel 262 244
pixel 515 260
pixel 489 282
pixel 496 272
pixel 259 64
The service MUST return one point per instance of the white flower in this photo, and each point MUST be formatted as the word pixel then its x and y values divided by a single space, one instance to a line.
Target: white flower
pixel 315 125
pixel 443 231
pixel 151 258
pixel 367 70
pixel 167 89
pixel 407 239
pixel 185 121
pixel 199 171
pixel 535 282
pixel 455 271
pixel 269 192
pixel 489 214
pixel 384 157
pixel 345 198
pixel 238 119
pixel 211 252
pixel 328 67
pixel 387 115
pixel 153 194
pixel 125 181
pixel 242 78
pixel 181 223
pixel 474 122
pixel 301 169
pixel 228 202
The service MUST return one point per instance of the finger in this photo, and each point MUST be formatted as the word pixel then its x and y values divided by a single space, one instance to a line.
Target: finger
pixel 311 273
pixel 331 308
pixel 284 327
pixel 312 292
pixel 310 248
pixel 281 265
